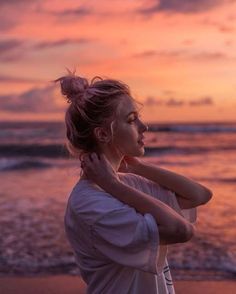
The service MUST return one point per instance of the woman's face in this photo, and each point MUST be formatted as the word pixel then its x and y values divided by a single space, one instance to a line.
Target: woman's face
pixel 129 129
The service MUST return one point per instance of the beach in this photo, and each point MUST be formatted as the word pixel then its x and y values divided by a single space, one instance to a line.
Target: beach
pixel 73 285
pixel 37 177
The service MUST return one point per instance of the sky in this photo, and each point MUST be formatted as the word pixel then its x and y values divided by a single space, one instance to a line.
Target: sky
pixel 178 57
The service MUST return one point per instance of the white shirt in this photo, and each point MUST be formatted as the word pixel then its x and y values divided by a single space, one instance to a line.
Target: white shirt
pixel 116 248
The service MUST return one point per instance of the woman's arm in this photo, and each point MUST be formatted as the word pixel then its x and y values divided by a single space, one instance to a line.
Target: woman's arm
pixel 172 227
pixel 189 193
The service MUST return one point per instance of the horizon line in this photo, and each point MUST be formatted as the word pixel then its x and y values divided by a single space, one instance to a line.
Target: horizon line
pixel 149 123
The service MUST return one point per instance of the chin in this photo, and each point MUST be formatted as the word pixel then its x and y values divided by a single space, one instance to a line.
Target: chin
pixel 142 152
pixel 139 152
pixel 135 152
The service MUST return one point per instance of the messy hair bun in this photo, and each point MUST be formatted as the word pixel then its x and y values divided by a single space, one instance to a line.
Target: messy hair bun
pixel 73 87
pixel 91 105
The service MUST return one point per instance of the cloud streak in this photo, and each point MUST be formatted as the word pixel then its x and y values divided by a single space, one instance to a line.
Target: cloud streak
pixel 183 54
pixel 17 2
pixel 174 102
pixel 9 45
pixel 183 6
pixel 14 49
pixel 62 42
pixel 201 101
pixel 10 79
pixel 225 27
pixel 37 100
pixel 12 12
pixel 77 12
pixel 11 50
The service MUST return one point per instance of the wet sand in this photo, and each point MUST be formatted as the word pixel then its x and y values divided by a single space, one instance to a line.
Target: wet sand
pixel 73 285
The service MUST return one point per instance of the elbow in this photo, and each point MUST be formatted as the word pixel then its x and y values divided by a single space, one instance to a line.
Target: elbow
pixel 178 233
pixel 184 232
pixel 205 196
pixel 188 232
pixel 209 195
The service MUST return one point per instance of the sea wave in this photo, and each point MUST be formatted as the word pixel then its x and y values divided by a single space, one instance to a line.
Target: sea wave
pixel 60 151
pixel 151 151
pixel 32 150
pixel 204 254
pixel 21 164
pixel 193 128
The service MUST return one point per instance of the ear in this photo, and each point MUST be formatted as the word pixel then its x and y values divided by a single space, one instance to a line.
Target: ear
pixel 101 135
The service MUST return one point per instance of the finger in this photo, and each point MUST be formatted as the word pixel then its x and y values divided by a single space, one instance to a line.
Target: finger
pixel 94 157
pixel 86 159
pixel 103 157
pixel 85 155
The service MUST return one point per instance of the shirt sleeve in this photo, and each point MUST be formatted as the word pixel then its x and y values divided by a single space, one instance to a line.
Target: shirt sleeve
pixel 164 195
pixel 130 239
pixel 169 198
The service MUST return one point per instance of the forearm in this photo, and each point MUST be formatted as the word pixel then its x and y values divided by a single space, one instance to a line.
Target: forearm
pixel 172 227
pixel 181 185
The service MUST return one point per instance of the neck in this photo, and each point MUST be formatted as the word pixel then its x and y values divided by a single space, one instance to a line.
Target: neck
pixel 114 158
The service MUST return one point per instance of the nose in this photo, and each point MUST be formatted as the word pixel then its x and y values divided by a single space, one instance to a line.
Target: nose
pixel 142 127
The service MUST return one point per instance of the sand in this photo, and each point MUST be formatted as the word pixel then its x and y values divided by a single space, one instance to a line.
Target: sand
pixel 75 285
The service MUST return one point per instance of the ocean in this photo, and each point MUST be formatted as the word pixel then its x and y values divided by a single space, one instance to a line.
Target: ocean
pixel 37 175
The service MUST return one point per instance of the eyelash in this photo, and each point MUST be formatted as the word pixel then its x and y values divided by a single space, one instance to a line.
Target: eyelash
pixel 136 117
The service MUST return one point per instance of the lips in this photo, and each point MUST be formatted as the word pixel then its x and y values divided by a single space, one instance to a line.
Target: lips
pixel 140 141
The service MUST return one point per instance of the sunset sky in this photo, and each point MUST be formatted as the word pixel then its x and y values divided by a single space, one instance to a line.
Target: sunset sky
pixel 177 56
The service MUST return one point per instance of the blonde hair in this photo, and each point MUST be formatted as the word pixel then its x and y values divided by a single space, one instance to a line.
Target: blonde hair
pixel 92 105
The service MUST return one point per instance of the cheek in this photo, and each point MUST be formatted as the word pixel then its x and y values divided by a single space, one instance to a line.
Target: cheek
pixel 121 140
pixel 126 139
pixel 126 134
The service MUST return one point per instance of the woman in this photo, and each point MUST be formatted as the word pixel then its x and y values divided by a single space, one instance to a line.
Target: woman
pixel 120 223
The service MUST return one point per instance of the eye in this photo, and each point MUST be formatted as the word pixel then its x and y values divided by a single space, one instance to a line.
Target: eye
pixel 134 118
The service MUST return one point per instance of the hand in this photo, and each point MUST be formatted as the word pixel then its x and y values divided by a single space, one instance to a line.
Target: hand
pixel 129 164
pixel 98 169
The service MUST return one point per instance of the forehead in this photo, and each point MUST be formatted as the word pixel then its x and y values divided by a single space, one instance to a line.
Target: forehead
pixel 126 106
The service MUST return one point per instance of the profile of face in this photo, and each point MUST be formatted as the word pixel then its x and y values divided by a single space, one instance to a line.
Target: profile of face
pixel 129 129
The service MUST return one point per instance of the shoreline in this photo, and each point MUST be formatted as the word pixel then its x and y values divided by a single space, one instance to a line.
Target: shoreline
pixel 177 274
pixel 61 284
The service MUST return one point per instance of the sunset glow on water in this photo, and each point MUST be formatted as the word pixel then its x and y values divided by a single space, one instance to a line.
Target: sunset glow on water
pixel 37 176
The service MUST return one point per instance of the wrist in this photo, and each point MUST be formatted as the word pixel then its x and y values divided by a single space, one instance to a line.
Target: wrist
pixel 108 186
pixel 138 168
